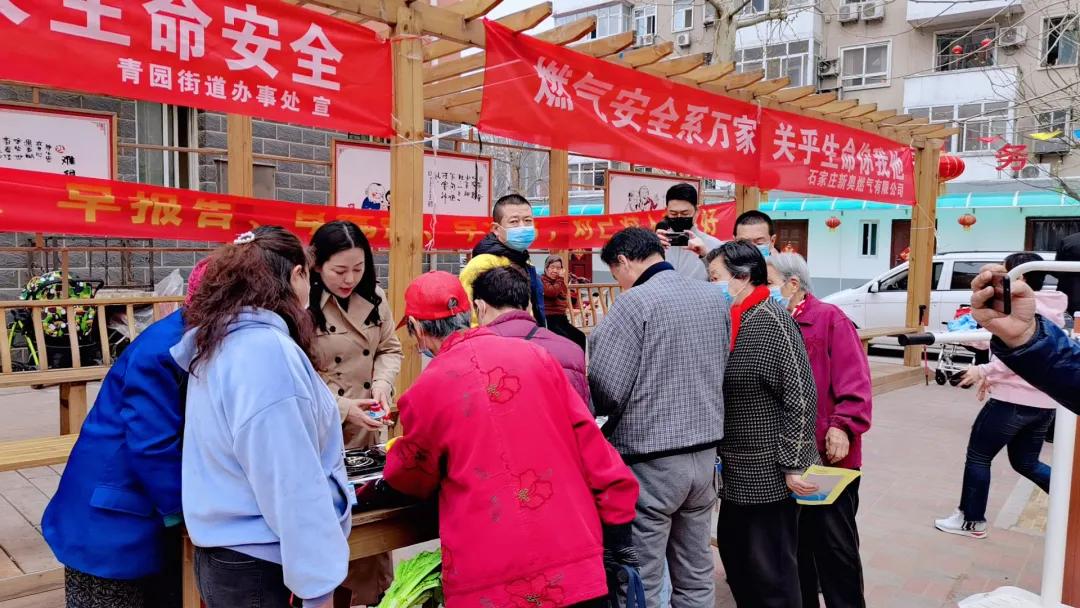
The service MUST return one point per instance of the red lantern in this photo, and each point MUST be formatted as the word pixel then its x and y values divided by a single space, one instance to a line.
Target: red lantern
pixel 833 223
pixel 967 221
pixel 789 248
pixel 986 42
pixel 950 167
pixel 958 50
pixel 905 254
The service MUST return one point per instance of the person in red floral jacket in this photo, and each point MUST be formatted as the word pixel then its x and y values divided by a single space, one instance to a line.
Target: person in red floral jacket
pixel 531 494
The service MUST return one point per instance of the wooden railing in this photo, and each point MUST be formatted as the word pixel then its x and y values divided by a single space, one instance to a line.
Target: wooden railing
pixel 64 254
pixel 589 302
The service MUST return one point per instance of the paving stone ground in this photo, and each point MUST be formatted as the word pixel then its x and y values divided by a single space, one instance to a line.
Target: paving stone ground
pixel 913 467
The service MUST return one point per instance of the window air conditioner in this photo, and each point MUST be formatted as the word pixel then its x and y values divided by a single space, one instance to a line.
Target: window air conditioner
pixel 848 13
pixel 1012 36
pixel 828 67
pixel 1034 171
pixel 645 39
pixel 683 39
pixel 873 11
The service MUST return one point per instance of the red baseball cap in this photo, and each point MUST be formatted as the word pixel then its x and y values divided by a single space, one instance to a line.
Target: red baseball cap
pixel 434 295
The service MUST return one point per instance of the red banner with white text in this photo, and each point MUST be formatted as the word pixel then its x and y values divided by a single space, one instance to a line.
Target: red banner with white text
pixel 801 154
pixel 254 57
pixel 552 96
pixel 31 201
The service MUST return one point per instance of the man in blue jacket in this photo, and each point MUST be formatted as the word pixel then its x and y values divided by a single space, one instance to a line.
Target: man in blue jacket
pixel 113 521
pixel 1033 347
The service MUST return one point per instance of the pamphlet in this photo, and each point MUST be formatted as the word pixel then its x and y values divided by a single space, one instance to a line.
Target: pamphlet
pixel 830 481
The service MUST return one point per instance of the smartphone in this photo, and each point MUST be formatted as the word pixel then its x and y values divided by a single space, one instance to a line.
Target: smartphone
pixel 679 239
pixel 1002 291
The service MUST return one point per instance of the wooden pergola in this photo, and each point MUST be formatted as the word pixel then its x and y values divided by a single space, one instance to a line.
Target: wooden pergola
pixel 432 80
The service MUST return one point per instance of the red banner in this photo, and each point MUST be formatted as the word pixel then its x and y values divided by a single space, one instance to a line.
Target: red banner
pixel 43 202
pixel 254 57
pixel 802 154
pixel 556 97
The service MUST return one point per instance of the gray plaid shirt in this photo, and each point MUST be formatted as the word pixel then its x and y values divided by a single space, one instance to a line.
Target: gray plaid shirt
pixel 657 360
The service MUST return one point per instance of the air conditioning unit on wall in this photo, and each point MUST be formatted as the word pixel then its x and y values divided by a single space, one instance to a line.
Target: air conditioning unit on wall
pixel 873 11
pixel 1034 171
pixel 645 39
pixel 828 67
pixel 1012 36
pixel 683 39
pixel 849 13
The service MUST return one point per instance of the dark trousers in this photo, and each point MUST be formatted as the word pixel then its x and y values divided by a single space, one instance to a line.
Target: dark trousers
pixel 229 579
pixel 759 548
pixel 829 553
pixel 162 590
pixel 563 327
pixel 1021 429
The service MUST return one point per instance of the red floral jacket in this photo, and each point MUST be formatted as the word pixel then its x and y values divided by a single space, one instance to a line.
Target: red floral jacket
pixel 525 477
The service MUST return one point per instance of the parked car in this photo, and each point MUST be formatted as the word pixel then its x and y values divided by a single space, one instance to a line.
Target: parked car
pixel 882 302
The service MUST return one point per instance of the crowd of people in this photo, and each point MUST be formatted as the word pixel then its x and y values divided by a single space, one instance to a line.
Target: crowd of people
pixel 718 375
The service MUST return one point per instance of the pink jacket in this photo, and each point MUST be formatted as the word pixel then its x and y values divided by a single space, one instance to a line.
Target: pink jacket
pixel 1006 385
pixel 842 376
pixel 525 477
pixel 518 324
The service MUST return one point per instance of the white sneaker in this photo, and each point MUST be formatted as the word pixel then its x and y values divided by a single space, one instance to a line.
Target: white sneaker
pixel 956 524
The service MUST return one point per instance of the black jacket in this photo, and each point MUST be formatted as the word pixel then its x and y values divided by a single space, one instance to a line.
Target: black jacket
pixel 491 244
pixel 1069 282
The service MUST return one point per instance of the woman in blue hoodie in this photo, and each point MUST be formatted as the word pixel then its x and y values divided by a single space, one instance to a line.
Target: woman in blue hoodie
pixel 265 496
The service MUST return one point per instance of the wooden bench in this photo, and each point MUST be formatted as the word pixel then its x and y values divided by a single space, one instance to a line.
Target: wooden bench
pixel 72 382
pixel 29 453
pixel 869 335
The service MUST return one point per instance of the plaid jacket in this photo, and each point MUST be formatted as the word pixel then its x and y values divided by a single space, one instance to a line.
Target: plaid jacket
pixel 771 407
pixel 657 359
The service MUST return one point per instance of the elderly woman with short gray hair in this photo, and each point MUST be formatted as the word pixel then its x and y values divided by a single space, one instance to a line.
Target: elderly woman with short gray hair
pixel 769 409
pixel 828 536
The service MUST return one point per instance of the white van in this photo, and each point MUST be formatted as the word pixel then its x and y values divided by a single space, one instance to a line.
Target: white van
pixel 883 301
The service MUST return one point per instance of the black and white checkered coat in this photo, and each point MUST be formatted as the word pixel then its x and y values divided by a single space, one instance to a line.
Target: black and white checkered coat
pixel 658 359
pixel 771 407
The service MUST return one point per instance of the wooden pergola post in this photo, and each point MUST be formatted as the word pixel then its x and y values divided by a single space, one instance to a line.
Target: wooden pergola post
pixel 559 193
pixel 406 176
pixel 923 243
pixel 241 168
pixel 747 198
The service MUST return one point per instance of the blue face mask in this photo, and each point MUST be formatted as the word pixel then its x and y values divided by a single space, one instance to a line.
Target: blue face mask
pixel 723 286
pixel 520 238
pixel 766 250
pixel 778 296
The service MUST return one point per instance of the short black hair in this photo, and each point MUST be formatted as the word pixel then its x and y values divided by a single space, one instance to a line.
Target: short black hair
pixel 682 192
pixel 1034 280
pixel 509 200
pixel 743 260
pixel 749 218
pixel 636 244
pixel 502 287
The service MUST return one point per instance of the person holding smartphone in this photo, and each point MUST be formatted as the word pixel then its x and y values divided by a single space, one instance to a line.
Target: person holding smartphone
pixel 684 243
pixel 360 358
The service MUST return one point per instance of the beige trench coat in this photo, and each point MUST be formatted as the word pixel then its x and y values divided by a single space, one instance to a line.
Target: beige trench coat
pixel 354 357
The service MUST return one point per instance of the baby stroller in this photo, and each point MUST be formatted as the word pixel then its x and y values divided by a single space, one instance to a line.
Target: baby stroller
pixel 949 369
pixel 54 321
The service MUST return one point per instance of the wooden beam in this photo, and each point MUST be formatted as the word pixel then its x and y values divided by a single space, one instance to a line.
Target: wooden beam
pixel 734 81
pixel 383 11
pixel 460 99
pixel 406 178
pixel 469 114
pixel 813 101
pixel 471 9
pixel 911 125
pixel 453 85
pixel 559 35
pixel 899 119
pixel 747 198
pixel 920 263
pixel 643 56
pixel 766 87
pixel 837 107
pixel 927 129
pixel 674 67
pixel 789 95
pixel 705 73
pixel 241 168
pixel 472 32
pixel 860 110
pixel 880 115
pixel 943 133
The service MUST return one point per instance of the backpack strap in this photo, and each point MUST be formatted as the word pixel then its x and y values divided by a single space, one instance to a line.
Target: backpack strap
pixel 532 333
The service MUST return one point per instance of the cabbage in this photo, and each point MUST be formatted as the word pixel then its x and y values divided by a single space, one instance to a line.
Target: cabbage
pixel 416 581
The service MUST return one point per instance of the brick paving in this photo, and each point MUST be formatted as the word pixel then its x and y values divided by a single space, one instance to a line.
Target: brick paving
pixel 913 467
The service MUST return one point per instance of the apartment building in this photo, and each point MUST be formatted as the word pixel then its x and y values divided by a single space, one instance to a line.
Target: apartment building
pixel 999 69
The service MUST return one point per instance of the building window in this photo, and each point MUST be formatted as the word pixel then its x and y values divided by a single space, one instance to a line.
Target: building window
pixel 684 16
pixel 973 52
pixel 790 59
pixel 983 126
pixel 865 66
pixel 1058 120
pixel 1045 234
pixel 166 126
pixel 1061 40
pixel 585 174
pixel 754 7
pixel 869 239
pixel 644 23
pixel 610 20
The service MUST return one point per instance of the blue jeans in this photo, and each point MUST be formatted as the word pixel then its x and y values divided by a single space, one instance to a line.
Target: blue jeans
pixel 230 579
pixel 1001 424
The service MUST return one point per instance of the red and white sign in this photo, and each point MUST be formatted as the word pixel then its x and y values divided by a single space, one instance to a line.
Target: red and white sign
pixel 254 57
pixel 813 156
pixel 556 97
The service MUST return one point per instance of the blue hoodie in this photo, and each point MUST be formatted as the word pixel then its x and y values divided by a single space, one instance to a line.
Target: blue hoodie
pixel 262 469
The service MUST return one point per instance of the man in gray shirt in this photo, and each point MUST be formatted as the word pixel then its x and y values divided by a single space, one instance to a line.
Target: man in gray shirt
pixel 685 251
pixel 656 370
